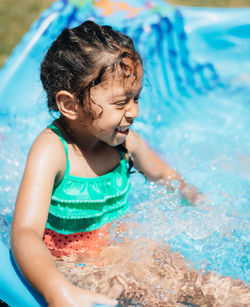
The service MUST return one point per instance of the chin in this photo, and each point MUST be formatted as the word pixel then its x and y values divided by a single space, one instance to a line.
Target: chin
pixel 117 142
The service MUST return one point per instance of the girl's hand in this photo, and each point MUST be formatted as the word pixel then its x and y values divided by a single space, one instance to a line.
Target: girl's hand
pixel 191 194
pixel 77 297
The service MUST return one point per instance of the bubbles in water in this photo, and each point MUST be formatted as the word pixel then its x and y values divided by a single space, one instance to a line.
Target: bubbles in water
pixel 207 141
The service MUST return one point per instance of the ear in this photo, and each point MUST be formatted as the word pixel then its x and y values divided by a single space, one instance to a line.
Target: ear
pixel 67 104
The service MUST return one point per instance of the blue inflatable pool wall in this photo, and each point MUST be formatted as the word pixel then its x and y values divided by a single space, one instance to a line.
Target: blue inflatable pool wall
pixel 158 32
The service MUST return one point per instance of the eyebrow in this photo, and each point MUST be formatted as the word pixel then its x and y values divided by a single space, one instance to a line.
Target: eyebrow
pixel 130 92
pixel 125 94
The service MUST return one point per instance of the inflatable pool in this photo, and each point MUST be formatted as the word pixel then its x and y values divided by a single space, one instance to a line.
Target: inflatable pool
pixel 199 76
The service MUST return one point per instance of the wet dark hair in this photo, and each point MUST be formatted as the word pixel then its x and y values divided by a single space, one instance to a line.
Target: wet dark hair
pixel 79 58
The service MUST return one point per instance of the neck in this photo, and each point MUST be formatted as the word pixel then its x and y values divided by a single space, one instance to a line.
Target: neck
pixel 78 136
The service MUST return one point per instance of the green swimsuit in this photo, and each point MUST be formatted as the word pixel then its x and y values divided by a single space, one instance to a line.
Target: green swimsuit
pixel 84 204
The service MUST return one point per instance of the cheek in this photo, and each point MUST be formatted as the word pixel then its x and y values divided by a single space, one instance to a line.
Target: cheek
pixel 110 119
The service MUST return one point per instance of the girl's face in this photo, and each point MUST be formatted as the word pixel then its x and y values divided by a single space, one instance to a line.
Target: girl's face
pixel 116 101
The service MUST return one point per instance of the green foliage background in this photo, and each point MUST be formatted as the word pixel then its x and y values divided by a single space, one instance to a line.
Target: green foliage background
pixel 17 16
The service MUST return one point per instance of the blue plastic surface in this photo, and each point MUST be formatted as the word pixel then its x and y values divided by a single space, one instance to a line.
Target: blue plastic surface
pixel 172 72
pixel 14 288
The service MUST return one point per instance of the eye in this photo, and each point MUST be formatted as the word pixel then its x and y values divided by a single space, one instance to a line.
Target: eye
pixel 121 103
pixel 136 100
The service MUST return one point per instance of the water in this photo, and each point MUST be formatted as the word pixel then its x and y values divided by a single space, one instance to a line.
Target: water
pixel 199 123
pixel 207 142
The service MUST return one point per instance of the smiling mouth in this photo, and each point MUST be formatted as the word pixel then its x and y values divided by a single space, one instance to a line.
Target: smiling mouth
pixel 123 130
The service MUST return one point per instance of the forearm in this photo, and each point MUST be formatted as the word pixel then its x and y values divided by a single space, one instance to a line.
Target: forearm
pixel 168 175
pixel 154 168
pixel 37 264
pixel 148 162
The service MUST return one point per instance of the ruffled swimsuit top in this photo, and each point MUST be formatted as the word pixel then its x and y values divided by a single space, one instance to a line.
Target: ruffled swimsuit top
pixel 84 204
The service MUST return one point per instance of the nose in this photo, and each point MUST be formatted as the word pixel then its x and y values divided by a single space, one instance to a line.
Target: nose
pixel 132 110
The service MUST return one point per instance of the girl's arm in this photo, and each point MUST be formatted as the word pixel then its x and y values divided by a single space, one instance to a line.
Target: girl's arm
pixel 153 167
pixel 46 161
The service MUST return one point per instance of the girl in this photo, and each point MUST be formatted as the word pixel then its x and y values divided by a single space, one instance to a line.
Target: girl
pixel 76 178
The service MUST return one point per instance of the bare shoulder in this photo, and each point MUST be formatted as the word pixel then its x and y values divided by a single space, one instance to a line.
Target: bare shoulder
pixel 48 139
pixel 48 150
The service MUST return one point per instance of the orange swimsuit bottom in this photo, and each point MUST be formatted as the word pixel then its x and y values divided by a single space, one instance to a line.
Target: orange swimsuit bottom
pixel 90 243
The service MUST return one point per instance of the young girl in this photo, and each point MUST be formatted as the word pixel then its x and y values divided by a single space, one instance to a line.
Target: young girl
pixel 76 179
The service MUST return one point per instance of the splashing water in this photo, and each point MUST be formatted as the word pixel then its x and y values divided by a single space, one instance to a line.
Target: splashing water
pixel 207 142
pixel 204 137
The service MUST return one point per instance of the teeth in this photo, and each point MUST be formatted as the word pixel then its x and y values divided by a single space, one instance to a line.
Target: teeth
pixel 122 129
